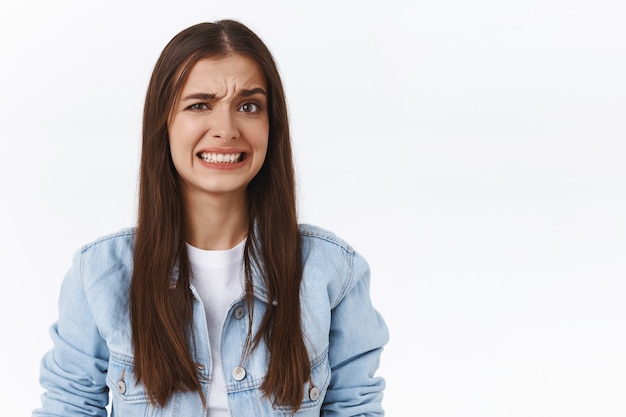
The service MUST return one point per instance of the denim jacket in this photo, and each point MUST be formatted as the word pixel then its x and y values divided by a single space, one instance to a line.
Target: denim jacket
pixel 92 358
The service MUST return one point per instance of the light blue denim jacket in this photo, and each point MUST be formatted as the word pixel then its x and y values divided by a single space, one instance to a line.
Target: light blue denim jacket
pixel 93 354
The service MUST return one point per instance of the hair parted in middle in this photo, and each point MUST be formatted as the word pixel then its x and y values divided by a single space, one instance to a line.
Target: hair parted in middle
pixel 161 313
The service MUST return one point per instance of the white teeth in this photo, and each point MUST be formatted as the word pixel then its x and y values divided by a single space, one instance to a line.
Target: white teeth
pixel 224 158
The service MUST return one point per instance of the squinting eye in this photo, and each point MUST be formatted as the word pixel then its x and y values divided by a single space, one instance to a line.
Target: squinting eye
pixel 198 106
pixel 249 108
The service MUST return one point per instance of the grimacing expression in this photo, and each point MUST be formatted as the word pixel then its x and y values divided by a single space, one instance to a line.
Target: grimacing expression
pixel 219 126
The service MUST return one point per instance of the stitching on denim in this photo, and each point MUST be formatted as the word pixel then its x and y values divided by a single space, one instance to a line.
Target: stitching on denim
pixel 314 232
pixel 122 233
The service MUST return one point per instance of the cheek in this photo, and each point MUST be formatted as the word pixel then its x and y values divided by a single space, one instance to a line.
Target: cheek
pixel 261 145
pixel 184 130
pixel 261 137
pixel 181 138
pixel 178 148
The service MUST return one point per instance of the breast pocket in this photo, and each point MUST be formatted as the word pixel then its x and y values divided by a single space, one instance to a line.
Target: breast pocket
pixel 128 398
pixel 314 390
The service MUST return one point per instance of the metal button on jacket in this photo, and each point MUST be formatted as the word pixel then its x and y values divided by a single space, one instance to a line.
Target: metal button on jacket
pixel 239 312
pixel 314 393
pixel 120 387
pixel 239 373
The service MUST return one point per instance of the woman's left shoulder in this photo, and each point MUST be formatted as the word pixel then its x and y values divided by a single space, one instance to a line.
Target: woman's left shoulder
pixel 324 239
pixel 331 260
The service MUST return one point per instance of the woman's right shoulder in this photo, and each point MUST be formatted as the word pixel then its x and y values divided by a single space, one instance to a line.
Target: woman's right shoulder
pixel 123 238
pixel 109 257
pixel 96 288
pixel 113 246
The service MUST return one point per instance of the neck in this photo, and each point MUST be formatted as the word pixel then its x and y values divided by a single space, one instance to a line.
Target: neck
pixel 216 222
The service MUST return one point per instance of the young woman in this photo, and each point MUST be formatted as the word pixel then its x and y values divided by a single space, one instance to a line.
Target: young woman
pixel 218 303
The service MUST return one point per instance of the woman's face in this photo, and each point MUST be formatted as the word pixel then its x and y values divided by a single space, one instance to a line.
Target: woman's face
pixel 219 127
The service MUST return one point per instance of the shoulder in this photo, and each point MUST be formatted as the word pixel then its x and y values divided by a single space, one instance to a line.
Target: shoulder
pixel 124 238
pixel 315 235
pixel 109 256
pixel 330 261
pixel 95 289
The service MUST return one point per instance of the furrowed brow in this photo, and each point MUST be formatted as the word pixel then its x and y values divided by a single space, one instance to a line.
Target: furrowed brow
pixel 200 96
pixel 248 93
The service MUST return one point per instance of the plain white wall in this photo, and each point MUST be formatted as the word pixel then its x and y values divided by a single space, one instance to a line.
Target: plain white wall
pixel 472 151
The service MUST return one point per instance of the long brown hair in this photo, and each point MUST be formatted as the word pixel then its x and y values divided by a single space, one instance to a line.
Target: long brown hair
pixel 160 300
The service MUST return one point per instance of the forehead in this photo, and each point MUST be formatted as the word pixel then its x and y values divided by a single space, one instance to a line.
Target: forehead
pixel 232 72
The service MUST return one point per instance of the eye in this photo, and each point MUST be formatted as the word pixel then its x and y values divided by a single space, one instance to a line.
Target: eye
pixel 249 108
pixel 198 107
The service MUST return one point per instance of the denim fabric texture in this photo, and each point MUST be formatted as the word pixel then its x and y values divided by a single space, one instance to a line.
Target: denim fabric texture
pixel 91 362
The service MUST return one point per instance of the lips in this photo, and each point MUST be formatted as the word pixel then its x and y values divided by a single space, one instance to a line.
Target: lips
pixel 221 158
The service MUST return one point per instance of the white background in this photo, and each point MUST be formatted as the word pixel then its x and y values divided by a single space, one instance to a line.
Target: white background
pixel 472 151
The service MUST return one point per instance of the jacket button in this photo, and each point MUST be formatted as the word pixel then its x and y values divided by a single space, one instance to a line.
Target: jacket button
pixel 120 387
pixel 239 313
pixel 239 373
pixel 314 393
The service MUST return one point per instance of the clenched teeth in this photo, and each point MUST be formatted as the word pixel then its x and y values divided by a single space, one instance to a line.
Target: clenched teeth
pixel 224 158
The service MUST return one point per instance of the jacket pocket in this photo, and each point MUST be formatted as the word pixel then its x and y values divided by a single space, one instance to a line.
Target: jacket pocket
pixel 315 389
pixel 128 398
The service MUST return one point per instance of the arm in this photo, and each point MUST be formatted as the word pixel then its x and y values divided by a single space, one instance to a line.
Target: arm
pixel 73 373
pixel 357 336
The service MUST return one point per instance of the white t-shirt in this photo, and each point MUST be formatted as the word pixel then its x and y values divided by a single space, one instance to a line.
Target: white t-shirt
pixel 218 277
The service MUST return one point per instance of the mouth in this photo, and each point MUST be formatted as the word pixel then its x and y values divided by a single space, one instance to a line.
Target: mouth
pixel 221 158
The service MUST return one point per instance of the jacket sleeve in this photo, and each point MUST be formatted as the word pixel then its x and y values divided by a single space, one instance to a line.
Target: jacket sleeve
pixel 357 336
pixel 73 373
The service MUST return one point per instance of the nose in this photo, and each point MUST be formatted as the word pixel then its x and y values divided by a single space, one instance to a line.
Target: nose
pixel 223 125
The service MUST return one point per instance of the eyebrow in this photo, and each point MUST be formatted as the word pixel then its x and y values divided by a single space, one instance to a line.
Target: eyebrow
pixel 211 96
pixel 248 93
pixel 199 96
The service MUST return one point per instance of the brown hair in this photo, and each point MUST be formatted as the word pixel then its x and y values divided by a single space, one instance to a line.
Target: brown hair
pixel 160 308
